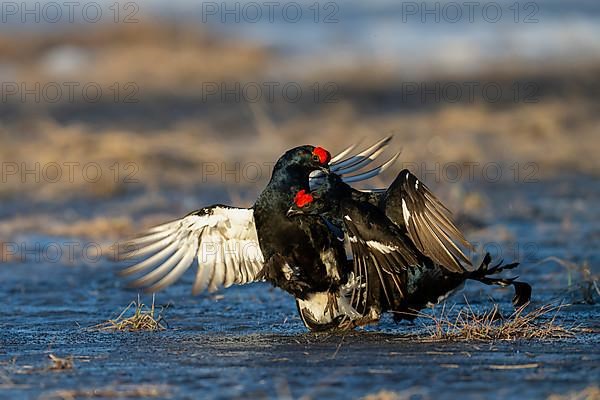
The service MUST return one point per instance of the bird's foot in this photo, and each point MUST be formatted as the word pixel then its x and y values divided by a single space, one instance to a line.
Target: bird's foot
pixel 349 323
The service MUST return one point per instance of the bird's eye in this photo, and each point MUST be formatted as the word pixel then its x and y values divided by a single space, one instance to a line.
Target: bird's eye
pixel 316 158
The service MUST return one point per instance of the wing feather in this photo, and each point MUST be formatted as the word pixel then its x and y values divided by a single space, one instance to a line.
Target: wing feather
pixel 365 154
pixel 230 264
pixel 150 238
pixel 410 204
pixel 343 166
pixel 343 153
pixel 161 270
pixel 383 260
pixel 372 172
pixel 203 276
pixel 175 273
pixel 152 260
pixel 152 248
pixel 222 239
pixel 219 271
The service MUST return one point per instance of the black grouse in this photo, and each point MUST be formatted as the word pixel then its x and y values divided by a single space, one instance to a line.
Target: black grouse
pixel 240 245
pixel 396 266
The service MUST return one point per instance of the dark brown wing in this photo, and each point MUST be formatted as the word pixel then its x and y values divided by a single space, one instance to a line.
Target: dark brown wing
pixel 410 204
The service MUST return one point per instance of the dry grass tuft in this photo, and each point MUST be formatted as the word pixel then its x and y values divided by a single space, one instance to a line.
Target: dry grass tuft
pixel 139 391
pixel 143 319
pixel 589 393
pixel 412 393
pixel 59 363
pixel 492 325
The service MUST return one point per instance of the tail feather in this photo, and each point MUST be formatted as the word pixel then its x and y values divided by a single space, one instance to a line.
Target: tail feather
pixel 484 272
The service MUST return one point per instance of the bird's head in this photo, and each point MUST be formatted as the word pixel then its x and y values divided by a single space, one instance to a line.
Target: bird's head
pixel 305 159
pixel 307 203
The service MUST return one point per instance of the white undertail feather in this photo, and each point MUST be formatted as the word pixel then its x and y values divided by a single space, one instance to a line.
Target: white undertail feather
pixel 346 308
pixel 346 292
pixel 316 304
pixel 287 271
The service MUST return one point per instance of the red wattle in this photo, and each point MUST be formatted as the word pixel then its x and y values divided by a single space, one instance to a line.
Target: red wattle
pixel 302 198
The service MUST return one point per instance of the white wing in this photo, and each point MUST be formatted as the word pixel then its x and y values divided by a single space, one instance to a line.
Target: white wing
pixel 222 238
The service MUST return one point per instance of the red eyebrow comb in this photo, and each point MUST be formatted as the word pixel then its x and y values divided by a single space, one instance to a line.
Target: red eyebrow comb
pixel 323 155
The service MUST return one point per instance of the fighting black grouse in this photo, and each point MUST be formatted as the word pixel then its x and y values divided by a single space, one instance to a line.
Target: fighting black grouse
pixel 242 245
pixel 403 259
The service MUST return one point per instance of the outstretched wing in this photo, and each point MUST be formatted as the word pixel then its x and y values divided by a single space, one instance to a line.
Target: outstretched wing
pixel 345 166
pixel 223 240
pixel 409 203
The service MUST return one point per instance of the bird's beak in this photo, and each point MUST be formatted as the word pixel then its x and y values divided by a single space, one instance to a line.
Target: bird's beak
pixel 292 211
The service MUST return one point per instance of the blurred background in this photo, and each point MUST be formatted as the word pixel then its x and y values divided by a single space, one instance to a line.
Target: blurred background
pixel 118 115
pixel 115 116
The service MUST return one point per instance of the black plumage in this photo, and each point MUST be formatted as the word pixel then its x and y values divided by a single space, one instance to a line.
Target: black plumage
pixel 406 251
pixel 391 272
pixel 242 245
pixel 295 251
